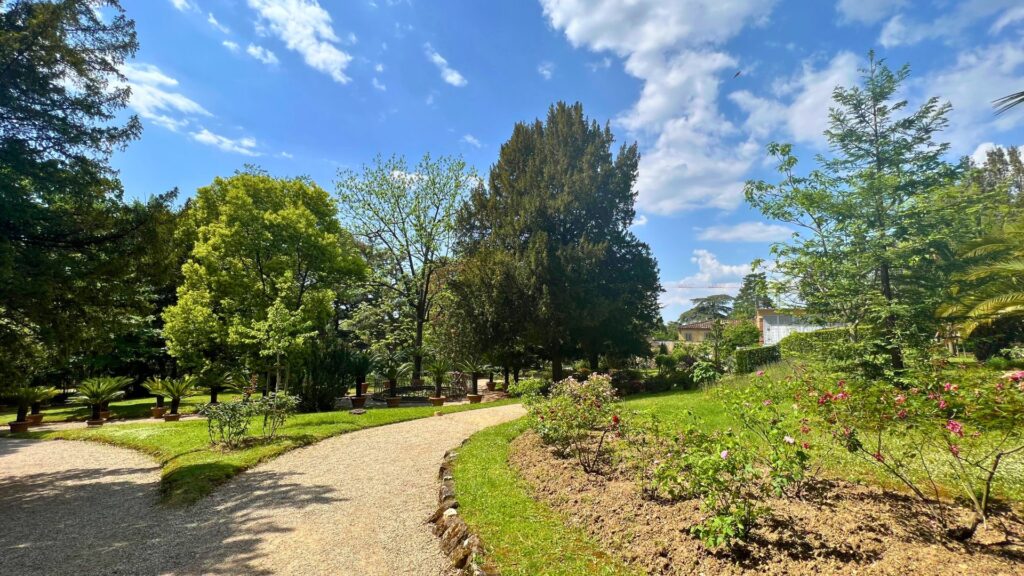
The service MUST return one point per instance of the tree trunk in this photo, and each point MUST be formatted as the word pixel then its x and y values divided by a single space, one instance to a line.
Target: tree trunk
pixel 22 413
pixel 473 385
pixel 504 375
pixel 175 402
pixel 437 388
pixel 159 401
pixel 360 386
pixel 213 394
pixel 895 353
pixel 392 388
pixel 594 359
pixel 417 359
pixel 96 408
pixel 556 367
pixel 515 374
pixel 36 407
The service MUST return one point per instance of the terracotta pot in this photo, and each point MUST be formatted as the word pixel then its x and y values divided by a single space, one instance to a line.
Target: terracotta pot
pixel 18 426
pixel 435 401
pixel 92 423
pixel 172 417
pixel 34 419
pixel 358 401
pixel 105 414
pixel 157 411
pixel 474 398
pixel 490 385
pixel 394 401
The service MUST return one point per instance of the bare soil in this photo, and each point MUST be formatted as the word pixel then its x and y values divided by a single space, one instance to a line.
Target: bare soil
pixel 837 528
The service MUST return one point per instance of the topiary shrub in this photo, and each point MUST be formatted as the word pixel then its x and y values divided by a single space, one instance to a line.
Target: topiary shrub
pixel 747 360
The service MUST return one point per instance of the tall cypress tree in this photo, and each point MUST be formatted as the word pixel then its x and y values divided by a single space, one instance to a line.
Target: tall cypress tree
pixel 558 206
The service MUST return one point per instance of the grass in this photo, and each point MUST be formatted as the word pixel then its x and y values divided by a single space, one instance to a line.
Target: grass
pixel 192 468
pixel 122 409
pixel 522 536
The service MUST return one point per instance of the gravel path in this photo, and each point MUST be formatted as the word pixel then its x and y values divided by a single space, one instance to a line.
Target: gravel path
pixel 354 504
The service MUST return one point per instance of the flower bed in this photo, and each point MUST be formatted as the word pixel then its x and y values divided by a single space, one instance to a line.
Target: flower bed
pixel 836 528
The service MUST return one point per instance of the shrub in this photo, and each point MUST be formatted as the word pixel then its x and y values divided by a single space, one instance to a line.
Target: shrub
pixel 715 468
pixel 815 344
pixel 626 382
pixel 704 373
pixel 776 430
pixel 749 359
pixel 578 417
pixel 973 421
pixel 740 335
pixel 275 409
pixel 228 422
pixel 528 387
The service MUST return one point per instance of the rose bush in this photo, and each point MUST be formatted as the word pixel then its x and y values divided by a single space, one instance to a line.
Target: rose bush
pixel 578 417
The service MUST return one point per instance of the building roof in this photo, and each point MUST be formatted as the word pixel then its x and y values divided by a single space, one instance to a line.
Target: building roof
pixel 702 325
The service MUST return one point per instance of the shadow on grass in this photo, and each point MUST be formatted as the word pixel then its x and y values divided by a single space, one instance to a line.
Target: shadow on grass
pixel 93 520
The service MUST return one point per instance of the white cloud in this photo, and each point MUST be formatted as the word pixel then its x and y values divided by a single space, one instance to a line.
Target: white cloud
pixel 471 140
pixel 305 28
pixel 1010 17
pixel 746 232
pixel 449 74
pixel 184 5
pixel 711 277
pixel 546 70
pixel 981 152
pixel 287 155
pixel 153 99
pixel 640 220
pixel 213 22
pixel 903 31
pixel 694 157
pixel 602 64
pixel 378 68
pixel 262 54
pixel 867 11
pixel 232 46
pixel 245 146
pixel 378 85
pixel 802 107
pixel 979 76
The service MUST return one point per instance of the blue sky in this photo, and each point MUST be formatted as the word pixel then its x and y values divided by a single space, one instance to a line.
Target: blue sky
pixel 305 87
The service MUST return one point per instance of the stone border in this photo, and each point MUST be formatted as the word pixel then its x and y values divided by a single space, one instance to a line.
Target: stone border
pixel 462 547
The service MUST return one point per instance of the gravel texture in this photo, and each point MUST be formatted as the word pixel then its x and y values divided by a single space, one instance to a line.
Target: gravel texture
pixel 354 504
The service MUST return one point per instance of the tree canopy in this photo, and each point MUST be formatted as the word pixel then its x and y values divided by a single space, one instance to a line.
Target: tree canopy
pixel 556 216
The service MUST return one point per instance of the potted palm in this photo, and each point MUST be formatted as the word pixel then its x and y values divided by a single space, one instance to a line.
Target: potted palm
pixel 99 392
pixel 438 368
pixel 154 386
pixel 360 364
pixel 24 396
pixel 176 389
pixel 391 366
pixel 474 367
pixel 42 394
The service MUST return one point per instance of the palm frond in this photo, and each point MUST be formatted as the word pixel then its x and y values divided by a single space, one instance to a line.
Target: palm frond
pixel 1008 102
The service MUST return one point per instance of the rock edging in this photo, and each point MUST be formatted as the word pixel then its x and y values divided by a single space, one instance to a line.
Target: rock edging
pixel 462 547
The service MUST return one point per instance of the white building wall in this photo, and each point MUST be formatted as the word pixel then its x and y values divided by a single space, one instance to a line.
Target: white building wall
pixel 778 326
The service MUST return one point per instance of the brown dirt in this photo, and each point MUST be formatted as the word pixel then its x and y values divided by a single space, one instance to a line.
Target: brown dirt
pixel 838 528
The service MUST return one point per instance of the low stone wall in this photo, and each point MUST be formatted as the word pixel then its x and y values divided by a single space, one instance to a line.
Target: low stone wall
pixel 464 549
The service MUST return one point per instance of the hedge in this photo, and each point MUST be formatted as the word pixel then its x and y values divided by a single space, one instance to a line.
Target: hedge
pixel 804 344
pixel 750 359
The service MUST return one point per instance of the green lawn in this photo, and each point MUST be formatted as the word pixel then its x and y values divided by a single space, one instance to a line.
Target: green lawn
pixel 522 536
pixel 192 467
pixel 127 409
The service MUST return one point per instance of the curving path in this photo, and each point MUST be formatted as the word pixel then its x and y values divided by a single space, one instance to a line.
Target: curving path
pixel 353 505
